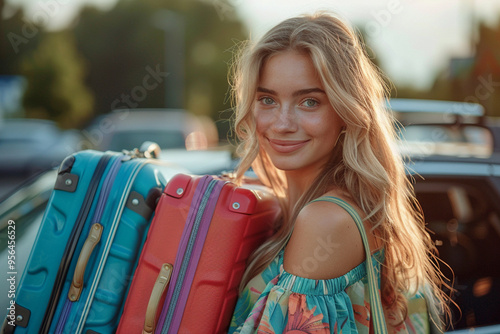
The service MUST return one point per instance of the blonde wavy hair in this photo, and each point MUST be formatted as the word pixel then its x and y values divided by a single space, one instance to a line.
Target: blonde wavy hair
pixel 364 164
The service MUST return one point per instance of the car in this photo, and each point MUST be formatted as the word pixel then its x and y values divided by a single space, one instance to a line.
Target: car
pixel 31 146
pixel 169 128
pixel 23 209
pixel 452 157
pixel 185 139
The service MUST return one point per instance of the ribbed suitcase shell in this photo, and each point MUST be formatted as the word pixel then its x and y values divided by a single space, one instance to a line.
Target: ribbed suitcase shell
pixel 104 303
pixel 235 231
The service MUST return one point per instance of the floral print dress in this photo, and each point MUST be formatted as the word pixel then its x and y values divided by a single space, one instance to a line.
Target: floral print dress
pixel 278 302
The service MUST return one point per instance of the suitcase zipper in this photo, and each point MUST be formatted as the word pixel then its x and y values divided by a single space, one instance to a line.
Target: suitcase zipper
pixel 93 238
pixel 176 300
pixel 187 257
pixel 77 282
pixel 106 244
pixel 64 315
pixel 71 245
pixel 206 219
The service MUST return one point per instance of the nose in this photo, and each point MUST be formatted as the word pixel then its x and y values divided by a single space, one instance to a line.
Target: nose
pixel 285 120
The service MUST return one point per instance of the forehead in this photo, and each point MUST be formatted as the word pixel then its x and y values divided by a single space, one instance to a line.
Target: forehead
pixel 289 70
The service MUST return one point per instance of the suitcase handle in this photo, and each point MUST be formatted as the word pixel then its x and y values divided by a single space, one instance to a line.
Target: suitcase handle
pixel 77 284
pixel 158 289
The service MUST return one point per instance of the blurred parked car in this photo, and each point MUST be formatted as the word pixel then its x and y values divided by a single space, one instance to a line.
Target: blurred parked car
pixel 454 161
pixel 169 128
pixel 25 206
pixel 31 145
pixel 185 139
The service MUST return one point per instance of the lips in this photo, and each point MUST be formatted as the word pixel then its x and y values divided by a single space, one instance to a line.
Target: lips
pixel 286 146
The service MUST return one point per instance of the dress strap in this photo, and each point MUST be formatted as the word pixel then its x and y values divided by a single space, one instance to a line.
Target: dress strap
pixel 375 302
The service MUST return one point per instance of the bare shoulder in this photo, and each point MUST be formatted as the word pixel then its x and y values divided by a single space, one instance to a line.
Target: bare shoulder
pixel 325 242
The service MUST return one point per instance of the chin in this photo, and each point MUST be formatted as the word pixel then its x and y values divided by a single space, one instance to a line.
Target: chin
pixel 286 166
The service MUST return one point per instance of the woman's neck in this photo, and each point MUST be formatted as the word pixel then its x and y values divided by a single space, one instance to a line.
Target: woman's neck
pixel 298 183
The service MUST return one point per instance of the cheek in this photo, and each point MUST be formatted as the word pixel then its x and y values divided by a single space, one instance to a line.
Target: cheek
pixel 325 127
pixel 317 125
pixel 262 121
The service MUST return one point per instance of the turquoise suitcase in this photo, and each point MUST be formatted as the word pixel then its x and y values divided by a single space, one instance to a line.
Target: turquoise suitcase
pixel 87 247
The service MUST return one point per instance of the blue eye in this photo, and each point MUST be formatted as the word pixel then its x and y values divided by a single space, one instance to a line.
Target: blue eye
pixel 266 100
pixel 310 103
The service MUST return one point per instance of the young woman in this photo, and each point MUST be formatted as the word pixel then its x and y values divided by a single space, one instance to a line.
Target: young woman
pixel 311 118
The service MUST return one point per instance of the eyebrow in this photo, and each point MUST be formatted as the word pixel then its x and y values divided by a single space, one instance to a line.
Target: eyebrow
pixel 295 94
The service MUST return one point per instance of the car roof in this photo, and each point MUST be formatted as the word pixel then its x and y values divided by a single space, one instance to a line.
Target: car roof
pixel 435 106
pixel 151 119
pixel 493 159
pixel 14 128
pixel 446 119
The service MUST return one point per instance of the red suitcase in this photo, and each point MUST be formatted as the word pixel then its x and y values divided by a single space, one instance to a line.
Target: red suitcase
pixel 208 241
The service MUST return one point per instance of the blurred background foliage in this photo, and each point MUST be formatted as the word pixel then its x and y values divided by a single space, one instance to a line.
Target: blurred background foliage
pixel 76 74
pixel 56 89
pixel 79 73
pixel 475 79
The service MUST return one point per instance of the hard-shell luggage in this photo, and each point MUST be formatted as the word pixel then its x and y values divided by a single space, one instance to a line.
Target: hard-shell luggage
pixel 88 244
pixel 203 231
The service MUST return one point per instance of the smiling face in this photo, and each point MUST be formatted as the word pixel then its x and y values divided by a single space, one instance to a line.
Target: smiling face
pixel 296 125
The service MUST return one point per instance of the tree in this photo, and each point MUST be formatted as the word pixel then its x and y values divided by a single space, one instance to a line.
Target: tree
pixel 18 37
pixel 474 79
pixel 124 45
pixel 55 74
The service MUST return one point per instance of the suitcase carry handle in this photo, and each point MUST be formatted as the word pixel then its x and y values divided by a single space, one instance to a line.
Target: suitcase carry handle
pixel 92 240
pixel 158 289
pixel 148 150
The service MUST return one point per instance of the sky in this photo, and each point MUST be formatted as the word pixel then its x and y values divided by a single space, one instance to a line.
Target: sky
pixel 411 39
